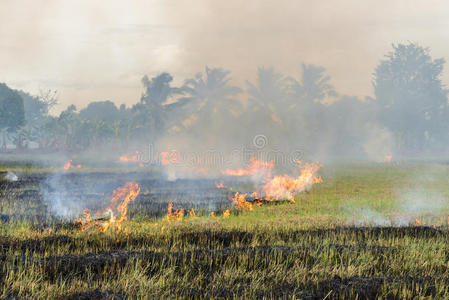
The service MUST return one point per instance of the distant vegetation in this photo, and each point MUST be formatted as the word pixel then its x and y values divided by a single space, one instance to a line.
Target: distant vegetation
pixel 408 114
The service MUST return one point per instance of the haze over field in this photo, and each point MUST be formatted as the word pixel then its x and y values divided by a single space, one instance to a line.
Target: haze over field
pixel 92 51
pixel 224 149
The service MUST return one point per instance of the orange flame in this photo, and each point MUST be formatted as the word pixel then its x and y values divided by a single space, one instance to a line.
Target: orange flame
pixel 201 167
pixel 275 188
pixel 69 165
pixel 285 186
pixel 121 197
pixel 173 215
pixel 222 186
pixel 388 158
pixel 174 157
pixel 201 170
pixel 255 167
pixel 418 221
pixel 170 157
pixel 192 214
pixel 85 220
pixel 130 157
pixel 242 203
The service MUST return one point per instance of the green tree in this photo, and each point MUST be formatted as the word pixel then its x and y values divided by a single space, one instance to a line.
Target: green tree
pixel 68 122
pixel 266 106
pixel 410 97
pixel 12 113
pixel 314 85
pixel 306 105
pixel 269 92
pixel 36 114
pixel 152 115
pixel 105 111
pixel 210 97
pixel 211 108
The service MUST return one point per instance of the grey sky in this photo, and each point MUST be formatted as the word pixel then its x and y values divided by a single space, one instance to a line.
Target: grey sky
pixel 97 50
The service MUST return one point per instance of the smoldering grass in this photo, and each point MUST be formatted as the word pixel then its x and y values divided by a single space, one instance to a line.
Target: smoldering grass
pixel 306 249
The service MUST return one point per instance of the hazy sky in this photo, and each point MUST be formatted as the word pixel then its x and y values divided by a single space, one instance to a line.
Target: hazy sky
pixel 97 50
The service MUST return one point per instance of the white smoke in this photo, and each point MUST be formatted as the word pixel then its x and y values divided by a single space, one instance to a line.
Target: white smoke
pixel 366 216
pixel 417 202
pixel 10 176
pixel 379 142
pixel 60 198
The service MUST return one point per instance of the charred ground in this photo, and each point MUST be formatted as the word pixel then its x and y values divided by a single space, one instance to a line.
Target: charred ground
pixel 311 249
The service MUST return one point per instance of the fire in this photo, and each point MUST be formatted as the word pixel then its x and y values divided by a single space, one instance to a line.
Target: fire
pixel 201 167
pixel 388 158
pixel 85 220
pixel 69 165
pixel 130 157
pixel 226 214
pixel 255 167
pixel 418 221
pixel 201 170
pixel 173 157
pixel 285 186
pixel 222 186
pixel 273 188
pixel 241 201
pixel 192 214
pixel 170 157
pixel 173 215
pixel 121 197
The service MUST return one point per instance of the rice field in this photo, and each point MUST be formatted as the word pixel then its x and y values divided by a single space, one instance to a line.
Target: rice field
pixel 367 231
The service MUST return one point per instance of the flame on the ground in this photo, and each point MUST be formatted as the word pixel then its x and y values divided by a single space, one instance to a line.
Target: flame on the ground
pixel 273 188
pixel 240 199
pixel 200 167
pixel 418 221
pixel 170 157
pixel 180 214
pixel 121 197
pixel 192 214
pixel 70 165
pixel 130 157
pixel 173 215
pixel 222 186
pixel 388 158
pixel 285 186
pixel 173 158
pixel 255 167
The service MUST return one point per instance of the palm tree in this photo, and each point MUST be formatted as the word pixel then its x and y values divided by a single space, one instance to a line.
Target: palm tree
pixel 211 96
pixel 269 93
pixel 267 107
pixel 151 116
pixel 314 85
pixel 307 109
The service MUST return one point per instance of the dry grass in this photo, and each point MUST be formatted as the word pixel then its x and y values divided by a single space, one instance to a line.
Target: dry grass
pixel 309 249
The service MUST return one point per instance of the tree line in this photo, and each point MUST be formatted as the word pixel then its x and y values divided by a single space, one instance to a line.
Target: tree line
pixel 408 113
